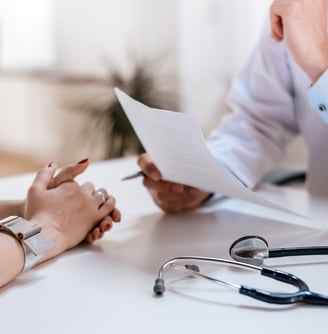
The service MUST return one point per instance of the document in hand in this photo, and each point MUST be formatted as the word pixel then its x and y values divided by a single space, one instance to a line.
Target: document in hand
pixel 177 146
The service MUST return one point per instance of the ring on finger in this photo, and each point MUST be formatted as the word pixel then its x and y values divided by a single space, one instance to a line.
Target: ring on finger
pixel 102 195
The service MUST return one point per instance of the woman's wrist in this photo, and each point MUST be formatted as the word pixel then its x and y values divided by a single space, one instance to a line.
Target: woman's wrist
pixel 12 264
pixel 33 242
pixel 49 231
pixel 12 208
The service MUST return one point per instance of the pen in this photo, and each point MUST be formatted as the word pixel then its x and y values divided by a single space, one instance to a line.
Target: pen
pixel 133 176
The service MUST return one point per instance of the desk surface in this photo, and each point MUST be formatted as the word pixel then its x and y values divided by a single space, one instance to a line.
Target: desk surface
pixel 107 287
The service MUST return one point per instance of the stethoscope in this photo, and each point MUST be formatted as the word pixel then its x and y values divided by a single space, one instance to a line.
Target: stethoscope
pixel 302 295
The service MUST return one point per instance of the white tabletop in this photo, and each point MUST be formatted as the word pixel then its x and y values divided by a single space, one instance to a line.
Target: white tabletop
pixel 107 287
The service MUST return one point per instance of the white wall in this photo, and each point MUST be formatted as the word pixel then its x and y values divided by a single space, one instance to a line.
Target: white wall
pixel 204 42
pixel 27 34
pixel 215 38
pixel 90 35
pixel 93 34
pixel 89 31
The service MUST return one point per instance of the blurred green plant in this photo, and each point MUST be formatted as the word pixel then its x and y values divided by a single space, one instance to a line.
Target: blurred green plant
pixel 105 116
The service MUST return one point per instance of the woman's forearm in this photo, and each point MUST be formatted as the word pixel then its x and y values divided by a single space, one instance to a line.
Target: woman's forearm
pixel 12 208
pixel 11 258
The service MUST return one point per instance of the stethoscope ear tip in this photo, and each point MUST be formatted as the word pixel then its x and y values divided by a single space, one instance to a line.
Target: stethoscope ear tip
pixel 159 287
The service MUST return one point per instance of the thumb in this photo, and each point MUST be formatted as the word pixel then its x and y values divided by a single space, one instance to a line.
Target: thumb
pixel 68 173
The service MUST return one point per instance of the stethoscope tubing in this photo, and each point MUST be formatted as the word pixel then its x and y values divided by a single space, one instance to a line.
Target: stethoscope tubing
pixel 297 251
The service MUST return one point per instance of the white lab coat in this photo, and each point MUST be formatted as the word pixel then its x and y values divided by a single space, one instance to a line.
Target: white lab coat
pixel 270 102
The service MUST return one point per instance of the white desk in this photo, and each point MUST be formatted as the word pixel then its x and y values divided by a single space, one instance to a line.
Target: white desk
pixel 107 287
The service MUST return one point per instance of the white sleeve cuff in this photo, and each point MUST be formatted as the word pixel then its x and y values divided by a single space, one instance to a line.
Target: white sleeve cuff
pixel 318 96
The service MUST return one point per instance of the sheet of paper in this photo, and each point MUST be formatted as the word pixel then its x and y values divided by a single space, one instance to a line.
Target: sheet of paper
pixel 177 146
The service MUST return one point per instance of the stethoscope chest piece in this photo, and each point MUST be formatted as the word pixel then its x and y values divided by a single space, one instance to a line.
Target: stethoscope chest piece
pixel 253 249
pixel 250 249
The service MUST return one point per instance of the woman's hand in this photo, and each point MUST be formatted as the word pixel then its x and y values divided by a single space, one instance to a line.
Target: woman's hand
pixel 170 197
pixel 68 174
pixel 303 25
pixel 67 212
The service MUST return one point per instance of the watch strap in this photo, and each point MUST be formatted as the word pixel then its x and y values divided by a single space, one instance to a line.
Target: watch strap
pixel 34 243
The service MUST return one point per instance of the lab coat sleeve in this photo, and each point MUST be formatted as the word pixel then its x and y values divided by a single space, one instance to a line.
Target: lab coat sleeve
pixel 251 139
pixel 318 96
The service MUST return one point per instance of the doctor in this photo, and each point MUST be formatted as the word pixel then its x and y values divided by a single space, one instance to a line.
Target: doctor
pixel 281 92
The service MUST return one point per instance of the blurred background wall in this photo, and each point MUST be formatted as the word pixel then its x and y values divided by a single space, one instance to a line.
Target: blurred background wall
pixel 57 56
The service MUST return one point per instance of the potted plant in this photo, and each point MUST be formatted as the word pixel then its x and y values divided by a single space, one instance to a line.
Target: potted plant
pixel 105 118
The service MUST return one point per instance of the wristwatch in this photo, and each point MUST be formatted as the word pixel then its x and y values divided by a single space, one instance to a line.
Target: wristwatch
pixel 34 243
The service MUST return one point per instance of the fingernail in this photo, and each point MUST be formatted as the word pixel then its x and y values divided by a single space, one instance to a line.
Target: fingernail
pixel 108 227
pixel 83 161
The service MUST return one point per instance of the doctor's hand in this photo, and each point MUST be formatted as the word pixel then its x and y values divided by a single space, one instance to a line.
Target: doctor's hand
pixel 169 196
pixel 303 26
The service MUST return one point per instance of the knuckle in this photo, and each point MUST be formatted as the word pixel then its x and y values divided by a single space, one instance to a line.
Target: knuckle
pixel 162 197
pixel 88 184
pixel 109 205
pixel 31 190
pixel 112 201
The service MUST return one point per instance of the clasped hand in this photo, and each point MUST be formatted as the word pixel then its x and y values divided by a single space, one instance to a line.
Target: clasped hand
pixel 68 212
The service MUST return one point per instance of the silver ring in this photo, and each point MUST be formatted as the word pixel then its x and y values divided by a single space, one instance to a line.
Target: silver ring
pixel 101 194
